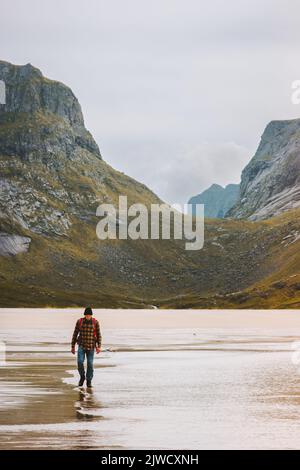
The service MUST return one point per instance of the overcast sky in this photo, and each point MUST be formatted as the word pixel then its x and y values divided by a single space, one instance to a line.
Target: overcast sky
pixel 176 93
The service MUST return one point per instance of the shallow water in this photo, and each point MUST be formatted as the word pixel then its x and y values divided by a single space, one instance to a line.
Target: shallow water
pixel 153 388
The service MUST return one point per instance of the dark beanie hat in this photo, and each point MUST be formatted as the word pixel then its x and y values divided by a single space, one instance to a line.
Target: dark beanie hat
pixel 88 311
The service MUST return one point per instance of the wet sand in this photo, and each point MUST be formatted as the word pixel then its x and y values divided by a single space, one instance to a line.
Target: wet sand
pixel 221 381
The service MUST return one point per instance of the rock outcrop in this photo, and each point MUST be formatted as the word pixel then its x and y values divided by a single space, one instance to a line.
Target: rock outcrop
pixel 270 183
pixel 216 199
pixel 13 244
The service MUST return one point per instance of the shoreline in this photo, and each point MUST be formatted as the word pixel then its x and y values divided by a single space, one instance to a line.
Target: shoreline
pixel 143 319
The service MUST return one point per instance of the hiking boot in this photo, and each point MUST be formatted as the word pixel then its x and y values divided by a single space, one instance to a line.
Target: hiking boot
pixel 89 384
pixel 81 382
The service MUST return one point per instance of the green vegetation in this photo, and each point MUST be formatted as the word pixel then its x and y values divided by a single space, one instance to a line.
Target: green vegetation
pixel 243 265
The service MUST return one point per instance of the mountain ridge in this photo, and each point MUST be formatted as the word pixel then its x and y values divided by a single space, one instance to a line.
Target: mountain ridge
pixel 217 200
pixel 52 179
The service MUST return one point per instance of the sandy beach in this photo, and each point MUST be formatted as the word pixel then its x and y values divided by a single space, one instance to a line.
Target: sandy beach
pixel 228 319
pixel 225 379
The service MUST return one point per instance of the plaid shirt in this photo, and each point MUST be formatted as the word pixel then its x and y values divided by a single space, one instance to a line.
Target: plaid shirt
pixel 84 336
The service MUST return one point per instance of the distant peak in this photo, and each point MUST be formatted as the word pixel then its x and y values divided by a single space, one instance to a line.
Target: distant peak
pixel 232 186
pixel 215 186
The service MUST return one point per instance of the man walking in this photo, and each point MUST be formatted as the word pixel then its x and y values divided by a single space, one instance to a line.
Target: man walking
pixel 88 336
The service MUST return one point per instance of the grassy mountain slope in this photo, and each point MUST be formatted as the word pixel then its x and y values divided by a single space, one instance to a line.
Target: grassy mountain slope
pixel 278 272
pixel 242 265
pixel 53 177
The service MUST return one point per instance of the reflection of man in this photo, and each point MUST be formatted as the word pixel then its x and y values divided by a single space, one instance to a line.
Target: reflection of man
pixel 88 336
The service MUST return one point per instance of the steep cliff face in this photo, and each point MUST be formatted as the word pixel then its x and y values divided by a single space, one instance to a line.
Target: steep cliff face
pixel 270 183
pixel 216 199
pixel 28 91
pixel 51 170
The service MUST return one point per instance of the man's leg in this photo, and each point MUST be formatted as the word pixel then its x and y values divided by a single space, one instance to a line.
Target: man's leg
pixel 80 364
pixel 90 366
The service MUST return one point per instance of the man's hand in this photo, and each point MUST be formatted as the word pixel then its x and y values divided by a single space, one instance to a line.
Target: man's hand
pixel 98 350
pixel 73 350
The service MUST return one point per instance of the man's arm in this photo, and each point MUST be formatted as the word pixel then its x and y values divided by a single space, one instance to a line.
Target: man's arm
pixel 98 335
pixel 75 335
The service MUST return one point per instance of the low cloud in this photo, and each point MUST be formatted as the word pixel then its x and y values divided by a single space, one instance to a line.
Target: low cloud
pixel 202 166
pixel 177 172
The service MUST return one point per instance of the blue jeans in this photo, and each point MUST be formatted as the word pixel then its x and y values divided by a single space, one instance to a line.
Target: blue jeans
pixel 90 362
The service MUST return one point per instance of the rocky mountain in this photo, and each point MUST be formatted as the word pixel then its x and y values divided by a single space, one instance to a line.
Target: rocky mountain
pixel 52 172
pixel 270 183
pixel 216 199
pixel 53 177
